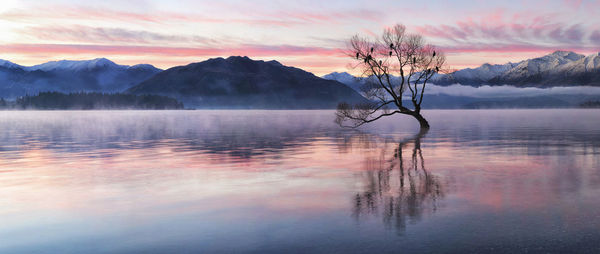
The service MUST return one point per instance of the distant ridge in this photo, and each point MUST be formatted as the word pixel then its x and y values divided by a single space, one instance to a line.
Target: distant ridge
pixel 75 65
pixel 562 79
pixel 561 68
pixel 97 75
pixel 240 82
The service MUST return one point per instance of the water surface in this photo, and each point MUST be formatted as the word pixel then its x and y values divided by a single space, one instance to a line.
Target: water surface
pixel 518 181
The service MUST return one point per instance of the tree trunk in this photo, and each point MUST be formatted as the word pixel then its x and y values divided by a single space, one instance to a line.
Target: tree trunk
pixel 422 121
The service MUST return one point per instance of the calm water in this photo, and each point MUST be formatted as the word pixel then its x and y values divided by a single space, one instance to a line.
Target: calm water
pixel 293 182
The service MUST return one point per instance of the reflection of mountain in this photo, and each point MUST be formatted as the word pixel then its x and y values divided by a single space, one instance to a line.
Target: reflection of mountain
pixel 238 135
pixel 397 189
pixel 248 134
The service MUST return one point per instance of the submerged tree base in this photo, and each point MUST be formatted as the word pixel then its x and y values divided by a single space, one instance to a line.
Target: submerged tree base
pixel 423 123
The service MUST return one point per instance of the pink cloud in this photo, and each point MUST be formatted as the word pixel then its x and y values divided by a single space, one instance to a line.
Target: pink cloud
pixel 329 17
pixel 279 18
pixel 80 13
pixel 99 35
pixel 246 50
pixel 474 48
pixel 519 34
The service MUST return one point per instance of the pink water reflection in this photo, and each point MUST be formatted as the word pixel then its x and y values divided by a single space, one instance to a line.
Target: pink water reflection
pixel 201 183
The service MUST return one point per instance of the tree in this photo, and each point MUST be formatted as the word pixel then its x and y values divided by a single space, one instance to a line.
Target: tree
pixel 395 65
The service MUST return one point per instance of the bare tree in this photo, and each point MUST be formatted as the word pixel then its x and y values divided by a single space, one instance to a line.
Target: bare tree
pixel 395 66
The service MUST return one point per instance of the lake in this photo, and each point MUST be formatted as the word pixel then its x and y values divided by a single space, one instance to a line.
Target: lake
pixel 493 181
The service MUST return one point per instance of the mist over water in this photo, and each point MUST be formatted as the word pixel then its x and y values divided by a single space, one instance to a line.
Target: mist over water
pixel 294 182
pixel 487 91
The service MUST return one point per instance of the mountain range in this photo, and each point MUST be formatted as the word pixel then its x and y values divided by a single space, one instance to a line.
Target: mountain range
pixel 98 75
pixel 240 82
pixel 561 68
pixel 560 79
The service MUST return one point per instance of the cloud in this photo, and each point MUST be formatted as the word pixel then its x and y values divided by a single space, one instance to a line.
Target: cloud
pixel 515 48
pixel 280 18
pixel 238 27
pixel 99 35
pixel 327 17
pixel 519 32
pixel 83 13
pixel 595 36
pixel 107 50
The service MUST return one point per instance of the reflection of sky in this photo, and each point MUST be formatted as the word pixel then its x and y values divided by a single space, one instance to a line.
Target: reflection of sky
pixel 166 184
pixel 307 34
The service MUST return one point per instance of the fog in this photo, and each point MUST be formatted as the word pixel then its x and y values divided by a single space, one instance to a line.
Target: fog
pixel 508 91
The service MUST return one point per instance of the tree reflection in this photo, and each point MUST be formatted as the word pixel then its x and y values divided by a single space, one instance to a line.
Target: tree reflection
pixel 398 188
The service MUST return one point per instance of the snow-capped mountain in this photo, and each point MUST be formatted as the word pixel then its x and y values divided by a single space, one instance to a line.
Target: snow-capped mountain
pixel 70 65
pixel 97 75
pixel 588 63
pixel 561 68
pixel 538 71
pixel 476 76
pixel 545 80
pixel 347 79
pixel 357 83
pixel 343 77
pixel 9 64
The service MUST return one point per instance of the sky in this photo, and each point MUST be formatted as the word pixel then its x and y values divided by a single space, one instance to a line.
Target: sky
pixel 303 33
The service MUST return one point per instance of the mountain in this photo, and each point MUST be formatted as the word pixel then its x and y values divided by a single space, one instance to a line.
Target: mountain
pixel 97 75
pixel 542 71
pixel 69 65
pixel 240 82
pixel 561 68
pixel 9 64
pixel 347 79
pixel 475 90
pixel 356 83
pixel 342 77
pixel 583 71
pixel 474 77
